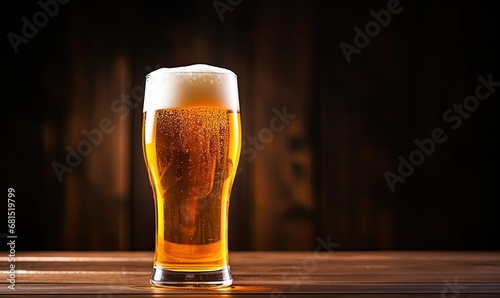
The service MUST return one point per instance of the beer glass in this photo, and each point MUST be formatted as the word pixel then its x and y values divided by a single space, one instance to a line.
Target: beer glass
pixel 191 143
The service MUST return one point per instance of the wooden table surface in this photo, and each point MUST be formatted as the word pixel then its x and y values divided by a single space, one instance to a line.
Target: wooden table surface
pixel 265 274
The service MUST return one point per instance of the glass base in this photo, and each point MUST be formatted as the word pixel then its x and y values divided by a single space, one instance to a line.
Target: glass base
pixel 163 277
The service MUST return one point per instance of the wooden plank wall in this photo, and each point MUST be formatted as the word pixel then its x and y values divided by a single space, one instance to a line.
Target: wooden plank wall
pixel 96 207
pixel 283 197
pixel 319 174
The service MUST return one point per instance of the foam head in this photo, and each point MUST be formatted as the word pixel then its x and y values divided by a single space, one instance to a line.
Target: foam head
pixel 196 85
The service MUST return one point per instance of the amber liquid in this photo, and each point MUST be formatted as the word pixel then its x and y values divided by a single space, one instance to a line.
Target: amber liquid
pixel 192 155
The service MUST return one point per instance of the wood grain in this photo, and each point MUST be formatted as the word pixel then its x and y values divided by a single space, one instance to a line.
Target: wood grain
pixel 277 274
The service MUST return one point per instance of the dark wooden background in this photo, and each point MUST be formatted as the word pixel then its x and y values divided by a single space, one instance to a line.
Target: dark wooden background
pixel 321 176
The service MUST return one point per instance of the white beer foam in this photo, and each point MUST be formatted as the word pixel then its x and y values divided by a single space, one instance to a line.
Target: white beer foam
pixel 198 85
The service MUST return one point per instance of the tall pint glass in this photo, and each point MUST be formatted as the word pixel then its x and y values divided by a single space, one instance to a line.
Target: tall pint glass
pixel 191 143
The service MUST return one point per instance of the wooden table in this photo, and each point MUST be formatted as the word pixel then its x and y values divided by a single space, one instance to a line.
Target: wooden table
pixel 265 274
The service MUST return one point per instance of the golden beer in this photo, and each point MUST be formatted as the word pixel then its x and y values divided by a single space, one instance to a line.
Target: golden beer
pixel 191 143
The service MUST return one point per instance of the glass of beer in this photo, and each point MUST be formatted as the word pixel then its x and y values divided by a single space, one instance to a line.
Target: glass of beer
pixel 191 143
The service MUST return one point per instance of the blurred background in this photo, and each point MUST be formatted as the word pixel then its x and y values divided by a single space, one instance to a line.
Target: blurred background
pixel 323 175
